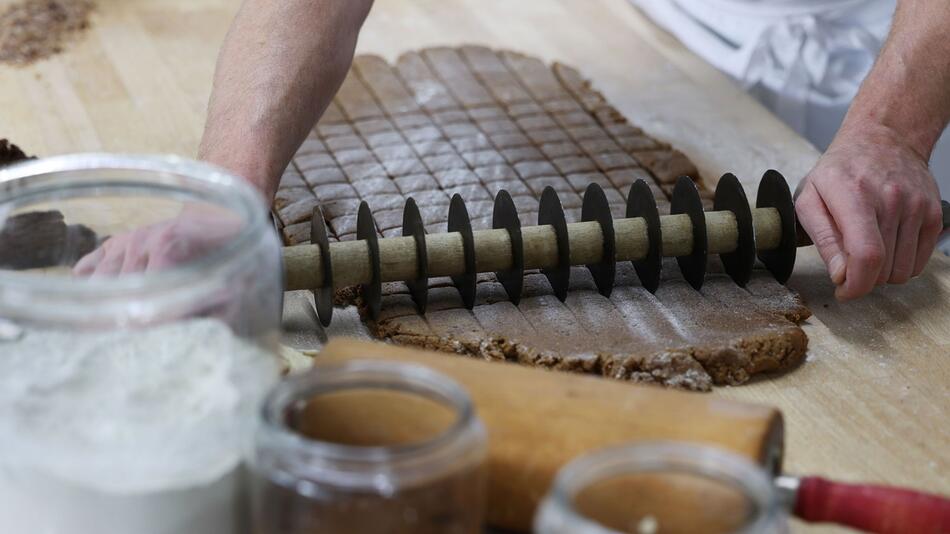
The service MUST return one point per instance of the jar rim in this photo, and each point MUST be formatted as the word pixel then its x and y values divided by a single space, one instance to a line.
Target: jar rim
pixel 354 459
pixel 168 171
pixel 701 460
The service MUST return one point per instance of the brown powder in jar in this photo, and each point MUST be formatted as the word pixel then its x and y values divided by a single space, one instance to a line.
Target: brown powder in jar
pixel 451 504
pixel 445 502
pixel 31 30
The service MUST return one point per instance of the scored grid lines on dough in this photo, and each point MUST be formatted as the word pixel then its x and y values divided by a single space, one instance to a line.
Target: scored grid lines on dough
pixel 559 155
pixel 442 171
pixel 404 162
pixel 506 92
pixel 475 121
pixel 446 64
pixel 413 86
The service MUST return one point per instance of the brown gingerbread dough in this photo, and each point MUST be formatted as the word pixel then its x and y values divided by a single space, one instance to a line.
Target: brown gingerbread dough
pixel 474 121
pixel 677 337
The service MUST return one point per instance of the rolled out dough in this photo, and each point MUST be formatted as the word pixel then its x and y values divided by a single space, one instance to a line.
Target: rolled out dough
pixel 474 121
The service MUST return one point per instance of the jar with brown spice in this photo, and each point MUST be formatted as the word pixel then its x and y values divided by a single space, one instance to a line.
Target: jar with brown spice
pixel 368 446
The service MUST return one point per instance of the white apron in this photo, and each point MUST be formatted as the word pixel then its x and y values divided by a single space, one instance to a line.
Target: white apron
pixel 804 59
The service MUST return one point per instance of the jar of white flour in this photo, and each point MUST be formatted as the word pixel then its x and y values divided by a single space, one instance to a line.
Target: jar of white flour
pixel 139 313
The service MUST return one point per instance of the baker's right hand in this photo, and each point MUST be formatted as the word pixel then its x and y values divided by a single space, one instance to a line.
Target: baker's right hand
pixel 872 208
pixel 193 233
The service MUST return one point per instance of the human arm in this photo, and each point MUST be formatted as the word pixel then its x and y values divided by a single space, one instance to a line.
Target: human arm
pixel 870 204
pixel 279 67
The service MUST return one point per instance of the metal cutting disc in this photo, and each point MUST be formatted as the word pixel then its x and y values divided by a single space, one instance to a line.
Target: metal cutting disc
pixel 686 200
pixel 550 212
pixel 323 295
pixel 596 208
pixel 774 193
pixel 460 222
pixel 640 203
pixel 731 197
pixel 366 230
pixel 505 215
pixel 412 226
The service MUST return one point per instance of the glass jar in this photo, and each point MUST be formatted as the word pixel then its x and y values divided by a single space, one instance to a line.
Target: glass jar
pixel 369 446
pixel 661 487
pixel 128 388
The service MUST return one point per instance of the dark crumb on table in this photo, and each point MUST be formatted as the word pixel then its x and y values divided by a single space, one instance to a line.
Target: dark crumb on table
pixel 10 153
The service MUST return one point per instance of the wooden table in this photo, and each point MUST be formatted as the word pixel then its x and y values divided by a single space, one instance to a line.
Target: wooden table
pixel 872 401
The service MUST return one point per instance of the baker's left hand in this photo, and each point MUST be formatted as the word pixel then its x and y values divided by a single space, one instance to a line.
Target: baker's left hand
pixel 196 231
pixel 872 208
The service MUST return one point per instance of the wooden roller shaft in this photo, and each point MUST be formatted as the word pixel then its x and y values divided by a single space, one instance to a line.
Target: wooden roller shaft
pixel 397 255
pixel 734 230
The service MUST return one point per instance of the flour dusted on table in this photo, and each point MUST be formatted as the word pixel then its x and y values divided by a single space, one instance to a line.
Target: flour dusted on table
pixel 127 431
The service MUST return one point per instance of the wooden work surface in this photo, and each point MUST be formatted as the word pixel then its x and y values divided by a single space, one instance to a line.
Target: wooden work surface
pixel 872 401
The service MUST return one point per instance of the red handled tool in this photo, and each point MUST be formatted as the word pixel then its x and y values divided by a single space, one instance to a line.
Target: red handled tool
pixel 866 507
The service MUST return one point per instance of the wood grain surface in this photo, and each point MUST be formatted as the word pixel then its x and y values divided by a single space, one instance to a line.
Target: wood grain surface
pixel 872 401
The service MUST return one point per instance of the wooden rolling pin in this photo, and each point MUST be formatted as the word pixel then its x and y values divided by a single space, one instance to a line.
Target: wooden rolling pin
pixel 539 420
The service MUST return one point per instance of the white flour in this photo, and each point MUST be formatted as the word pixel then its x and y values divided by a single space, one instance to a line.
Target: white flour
pixel 129 432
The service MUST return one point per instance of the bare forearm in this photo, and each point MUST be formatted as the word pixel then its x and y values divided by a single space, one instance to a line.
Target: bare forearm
pixel 908 90
pixel 278 69
pixel 870 204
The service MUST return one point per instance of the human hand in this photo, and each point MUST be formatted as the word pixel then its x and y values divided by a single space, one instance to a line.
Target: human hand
pixel 195 231
pixel 872 209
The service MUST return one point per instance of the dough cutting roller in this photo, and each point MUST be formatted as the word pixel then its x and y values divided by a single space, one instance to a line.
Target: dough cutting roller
pixel 733 230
